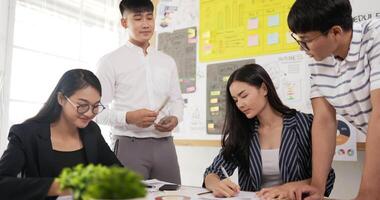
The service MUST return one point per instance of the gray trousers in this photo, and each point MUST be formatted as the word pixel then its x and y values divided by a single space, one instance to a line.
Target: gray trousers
pixel 153 158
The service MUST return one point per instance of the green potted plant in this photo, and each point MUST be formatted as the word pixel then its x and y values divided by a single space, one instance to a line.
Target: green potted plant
pixel 100 182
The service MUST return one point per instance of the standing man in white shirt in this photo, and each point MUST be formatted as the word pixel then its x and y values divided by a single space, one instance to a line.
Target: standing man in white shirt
pixel 137 80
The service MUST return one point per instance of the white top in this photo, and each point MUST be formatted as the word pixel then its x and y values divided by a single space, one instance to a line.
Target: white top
pixel 347 84
pixel 271 167
pixel 131 81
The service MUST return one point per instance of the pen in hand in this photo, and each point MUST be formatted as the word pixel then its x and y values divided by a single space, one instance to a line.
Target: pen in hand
pixel 202 193
pixel 224 172
pixel 236 189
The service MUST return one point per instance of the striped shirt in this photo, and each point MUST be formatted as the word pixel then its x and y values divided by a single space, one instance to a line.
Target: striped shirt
pixel 346 84
pixel 294 159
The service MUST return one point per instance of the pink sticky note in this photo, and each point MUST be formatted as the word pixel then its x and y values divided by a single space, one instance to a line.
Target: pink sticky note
pixel 253 40
pixel 253 23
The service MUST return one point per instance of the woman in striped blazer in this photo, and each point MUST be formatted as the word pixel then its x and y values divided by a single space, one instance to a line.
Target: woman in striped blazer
pixel 269 142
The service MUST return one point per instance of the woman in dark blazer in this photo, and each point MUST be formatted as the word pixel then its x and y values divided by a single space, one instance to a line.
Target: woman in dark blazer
pixel 269 142
pixel 62 134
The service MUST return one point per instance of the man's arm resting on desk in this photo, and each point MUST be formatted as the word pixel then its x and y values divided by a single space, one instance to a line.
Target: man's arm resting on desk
pixel 323 145
pixel 369 187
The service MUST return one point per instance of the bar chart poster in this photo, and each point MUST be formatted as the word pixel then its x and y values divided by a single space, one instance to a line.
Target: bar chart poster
pixel 181 45
pixel 217 77
pixel 241 29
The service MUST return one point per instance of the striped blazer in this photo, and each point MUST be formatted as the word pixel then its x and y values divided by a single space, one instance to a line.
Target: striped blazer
pixel 294 161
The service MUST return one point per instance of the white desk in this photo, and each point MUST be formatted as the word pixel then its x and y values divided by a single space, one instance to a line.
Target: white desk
pixel 189 192
pixel 186 193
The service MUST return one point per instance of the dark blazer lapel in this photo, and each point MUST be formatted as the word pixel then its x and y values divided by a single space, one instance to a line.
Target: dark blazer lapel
pixel 255 162
pixel 288 149
pixel 45 151
pixel 89 144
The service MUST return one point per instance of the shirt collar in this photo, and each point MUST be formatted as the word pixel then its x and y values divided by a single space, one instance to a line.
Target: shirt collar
pixel 131 45
pixel 357 36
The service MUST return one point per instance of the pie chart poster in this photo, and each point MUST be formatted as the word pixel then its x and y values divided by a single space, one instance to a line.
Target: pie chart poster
pixel 345 141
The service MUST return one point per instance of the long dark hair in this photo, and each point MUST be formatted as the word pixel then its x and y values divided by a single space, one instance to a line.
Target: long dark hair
pixel 70 82
pixel 237 127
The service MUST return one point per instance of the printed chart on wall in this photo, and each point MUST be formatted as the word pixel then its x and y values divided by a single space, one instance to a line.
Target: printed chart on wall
pixel 242 28
pixel 176 14
pixel 181 45
pixel 217 77
pixel 345 141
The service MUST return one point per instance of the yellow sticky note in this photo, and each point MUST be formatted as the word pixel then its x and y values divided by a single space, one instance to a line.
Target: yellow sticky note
pixel 215 93
pixel 214 109
pixel 214 100
pixel 210 126
pixel 191 33
pixel 225 78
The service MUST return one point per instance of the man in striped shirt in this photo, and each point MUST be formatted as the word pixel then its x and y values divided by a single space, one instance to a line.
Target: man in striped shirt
pixel 345 80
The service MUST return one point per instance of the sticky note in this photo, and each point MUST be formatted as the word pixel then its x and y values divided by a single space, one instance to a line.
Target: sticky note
pixel 190 89
pixel 214 109
pixel 210 126
pixel 191 36
pixel 272 38
pixel 215 93
pixel 207 49
pixel 225 78
pixel 206 34
pixel 253 40
pixel 253 23
pixel 273 20
pixel 214 100
pixel 289 38
pixel 191 33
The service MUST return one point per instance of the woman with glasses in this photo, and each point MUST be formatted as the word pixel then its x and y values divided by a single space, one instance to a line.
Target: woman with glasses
pixel 62 134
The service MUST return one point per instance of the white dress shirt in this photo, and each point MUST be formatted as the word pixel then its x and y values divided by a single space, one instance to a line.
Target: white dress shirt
pixel 130 81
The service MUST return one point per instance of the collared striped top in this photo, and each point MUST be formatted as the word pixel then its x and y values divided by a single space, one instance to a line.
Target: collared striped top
pixel 346 84
pixel 294 161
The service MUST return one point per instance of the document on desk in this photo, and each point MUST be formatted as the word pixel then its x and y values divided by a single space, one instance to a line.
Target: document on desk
pixel 241 196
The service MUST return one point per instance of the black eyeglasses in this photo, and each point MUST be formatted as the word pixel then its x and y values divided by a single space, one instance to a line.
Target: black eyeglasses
pixel 303 44
pixel 83 108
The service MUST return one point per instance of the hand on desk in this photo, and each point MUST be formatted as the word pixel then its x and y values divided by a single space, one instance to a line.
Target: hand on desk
pixel 166 124
pixel 313 193
pixel 283 192
pixel 225 188
pixel 142 118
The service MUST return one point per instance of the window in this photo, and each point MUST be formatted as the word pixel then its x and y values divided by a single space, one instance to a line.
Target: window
pixel 51 37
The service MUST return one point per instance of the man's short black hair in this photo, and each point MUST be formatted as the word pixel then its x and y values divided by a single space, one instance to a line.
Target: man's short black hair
pixel 320 15
pixel 136 6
